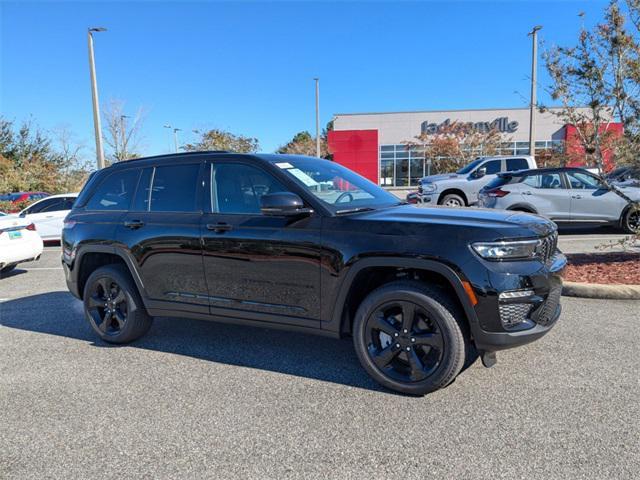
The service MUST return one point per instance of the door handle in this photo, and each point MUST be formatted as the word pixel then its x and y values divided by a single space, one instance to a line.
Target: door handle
pixel 577 196
pixel 133 224
pixel 219 227
pixel 526 193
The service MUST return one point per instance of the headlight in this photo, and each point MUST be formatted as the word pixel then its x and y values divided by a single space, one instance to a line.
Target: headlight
pixel 429 187
pixel 508 250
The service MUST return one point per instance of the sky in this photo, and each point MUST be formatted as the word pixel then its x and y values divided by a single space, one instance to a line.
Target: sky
pixel 248 67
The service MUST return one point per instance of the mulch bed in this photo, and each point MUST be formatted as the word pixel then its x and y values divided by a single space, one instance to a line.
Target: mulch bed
pixel 621 268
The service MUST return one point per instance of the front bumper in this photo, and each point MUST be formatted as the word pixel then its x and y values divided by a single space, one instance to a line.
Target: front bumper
pixel 543 310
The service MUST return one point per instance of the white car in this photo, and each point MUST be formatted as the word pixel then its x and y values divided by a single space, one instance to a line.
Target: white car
pixel 19 242
pixel 48 214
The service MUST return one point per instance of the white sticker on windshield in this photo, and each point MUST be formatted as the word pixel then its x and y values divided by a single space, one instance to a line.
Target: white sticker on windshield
pixel 303 177
pixel 284 165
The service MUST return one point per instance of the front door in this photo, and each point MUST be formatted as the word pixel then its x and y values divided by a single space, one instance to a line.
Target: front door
pixel 591 201
pixel 258 267
pixel 162 234
pixel 548 194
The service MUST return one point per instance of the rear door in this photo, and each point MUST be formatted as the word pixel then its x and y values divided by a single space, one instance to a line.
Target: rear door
pixel 547 193
pixel 161 232
pixel 591 201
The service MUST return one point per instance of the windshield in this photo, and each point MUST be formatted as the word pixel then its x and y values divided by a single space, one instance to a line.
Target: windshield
pixel 340 189
pixel 471 166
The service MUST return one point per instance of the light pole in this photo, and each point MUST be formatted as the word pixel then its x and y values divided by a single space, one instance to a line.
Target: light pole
pixel 532 106
pixel 175 135
pixel 94 93
pixel 317 117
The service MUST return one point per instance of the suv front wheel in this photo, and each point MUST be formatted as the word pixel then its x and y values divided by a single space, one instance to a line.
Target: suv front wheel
pixel 407 337
pixel 113 305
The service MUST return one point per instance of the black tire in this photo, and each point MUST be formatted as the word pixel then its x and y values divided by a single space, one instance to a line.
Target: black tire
pixel 416 367
pixel 453 200
pixel 8 268
pixel 113 305
pixel 631 221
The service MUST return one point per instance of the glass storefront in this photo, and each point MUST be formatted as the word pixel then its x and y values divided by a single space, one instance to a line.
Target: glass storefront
pixel 401 165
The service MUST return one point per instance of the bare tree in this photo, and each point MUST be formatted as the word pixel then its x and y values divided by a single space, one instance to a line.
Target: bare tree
pixel 122 132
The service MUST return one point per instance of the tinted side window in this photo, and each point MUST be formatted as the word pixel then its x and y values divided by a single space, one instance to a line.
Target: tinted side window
pixel 237 188
pixel 583 181
pixel 547 180
pixel 114 193
pixel 493 167
pixel 175 188
pixel 56 205
pixel 516 164
pixel 68 203
pixel 44 206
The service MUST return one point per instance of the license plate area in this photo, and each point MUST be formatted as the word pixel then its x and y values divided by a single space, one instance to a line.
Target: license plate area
pixel 15 234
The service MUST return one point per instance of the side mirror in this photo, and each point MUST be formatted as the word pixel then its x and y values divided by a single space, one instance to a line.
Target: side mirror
pixel 23 214
pixel 283 204
pixel 479 173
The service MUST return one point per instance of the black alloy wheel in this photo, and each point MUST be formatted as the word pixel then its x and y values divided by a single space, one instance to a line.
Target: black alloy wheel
pixel 107 306
pixel 113 305
pixel 411 337
pixel 404 341
pixel 632 221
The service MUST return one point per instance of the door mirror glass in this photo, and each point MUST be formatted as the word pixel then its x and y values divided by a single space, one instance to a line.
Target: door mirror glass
pixel 479 173
pixel 283 204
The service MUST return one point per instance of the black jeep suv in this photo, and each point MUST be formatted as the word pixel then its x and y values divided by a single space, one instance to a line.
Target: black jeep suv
pixel 305 244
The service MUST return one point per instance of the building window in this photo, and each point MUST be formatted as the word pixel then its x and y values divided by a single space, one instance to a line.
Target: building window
pixel 402 166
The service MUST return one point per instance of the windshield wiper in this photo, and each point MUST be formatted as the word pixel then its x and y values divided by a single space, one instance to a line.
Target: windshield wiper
pixel 354 210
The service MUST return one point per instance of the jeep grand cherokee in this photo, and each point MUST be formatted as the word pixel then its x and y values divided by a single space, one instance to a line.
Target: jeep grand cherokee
pixel 305 244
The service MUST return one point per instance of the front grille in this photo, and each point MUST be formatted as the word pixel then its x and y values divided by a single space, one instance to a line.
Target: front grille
pixel 512 314
pixel 548 246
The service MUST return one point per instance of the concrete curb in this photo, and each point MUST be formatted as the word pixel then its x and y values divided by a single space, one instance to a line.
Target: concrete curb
pixel 597 290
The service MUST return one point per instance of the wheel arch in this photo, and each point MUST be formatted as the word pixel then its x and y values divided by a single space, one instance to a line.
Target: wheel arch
pixel 368 274
pixel 456 191
pixel 91 258
pixel 522 207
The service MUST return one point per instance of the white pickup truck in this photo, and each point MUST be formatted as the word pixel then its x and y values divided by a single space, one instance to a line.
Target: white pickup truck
pixel 461 189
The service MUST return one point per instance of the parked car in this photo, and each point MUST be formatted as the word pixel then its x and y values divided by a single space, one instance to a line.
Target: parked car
pixel 19 197
pixel 628 176
pixel 564 195
pixel 461 188
pixel 304 244
pixel 19 242
pixel 48 214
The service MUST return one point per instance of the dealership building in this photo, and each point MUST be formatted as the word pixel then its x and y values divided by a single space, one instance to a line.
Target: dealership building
pixel 375 144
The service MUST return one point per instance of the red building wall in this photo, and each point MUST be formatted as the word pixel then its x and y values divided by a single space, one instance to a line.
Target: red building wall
pixel 575 151
pixel 356 150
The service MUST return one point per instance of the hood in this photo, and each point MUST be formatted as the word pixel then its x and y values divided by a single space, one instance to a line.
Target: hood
pixel 440 177
pixel 504 223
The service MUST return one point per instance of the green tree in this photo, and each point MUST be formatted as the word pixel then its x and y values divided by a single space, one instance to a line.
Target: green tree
pixel 217 139
pixel 303 143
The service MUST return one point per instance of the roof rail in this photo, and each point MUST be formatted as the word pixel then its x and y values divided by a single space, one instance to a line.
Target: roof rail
pixel 165 155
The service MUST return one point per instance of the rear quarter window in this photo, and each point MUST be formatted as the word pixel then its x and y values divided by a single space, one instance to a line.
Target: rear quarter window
pixel 115 191
pixel 498 182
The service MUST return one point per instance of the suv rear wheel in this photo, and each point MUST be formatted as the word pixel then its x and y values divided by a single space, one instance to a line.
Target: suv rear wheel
pixel 113 305
pixel 408 337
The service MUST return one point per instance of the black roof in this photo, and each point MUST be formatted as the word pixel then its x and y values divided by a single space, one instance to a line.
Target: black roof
pixel 535 171
pixel 170 157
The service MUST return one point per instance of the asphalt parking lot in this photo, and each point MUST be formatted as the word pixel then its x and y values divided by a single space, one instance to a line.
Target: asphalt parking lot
pixel 197 399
